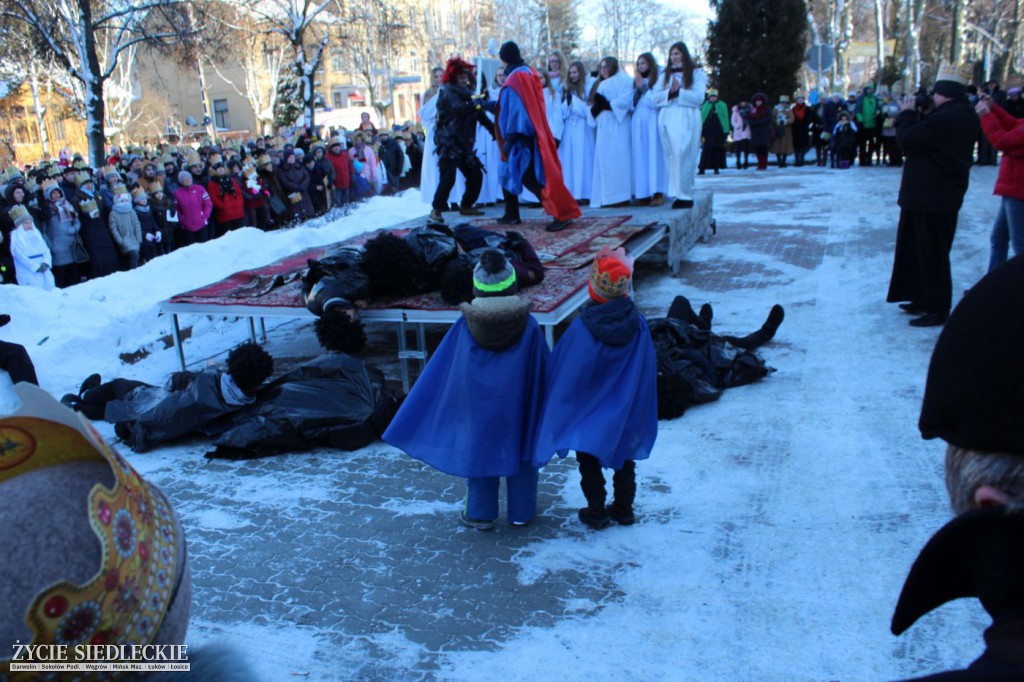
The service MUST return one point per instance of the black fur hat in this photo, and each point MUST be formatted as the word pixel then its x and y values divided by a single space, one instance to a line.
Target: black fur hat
pixel 392 265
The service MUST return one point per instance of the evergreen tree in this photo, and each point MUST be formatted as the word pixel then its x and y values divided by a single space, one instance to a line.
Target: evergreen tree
pixel 289 101
pixel 756 46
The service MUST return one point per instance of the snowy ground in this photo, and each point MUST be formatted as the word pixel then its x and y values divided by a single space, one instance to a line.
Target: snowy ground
pixel 777 524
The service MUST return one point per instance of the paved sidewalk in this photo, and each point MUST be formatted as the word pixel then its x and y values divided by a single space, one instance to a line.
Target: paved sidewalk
pixel 355 563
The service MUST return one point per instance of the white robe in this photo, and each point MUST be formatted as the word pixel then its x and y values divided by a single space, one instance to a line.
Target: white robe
pixel 649 173
pixel 429 173
pixel 679 125
pixel 613 167
pixel 577 149
pixel 490 156
pixel 29 251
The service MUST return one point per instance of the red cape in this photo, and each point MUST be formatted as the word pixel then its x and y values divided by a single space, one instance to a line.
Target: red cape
pixel 556 198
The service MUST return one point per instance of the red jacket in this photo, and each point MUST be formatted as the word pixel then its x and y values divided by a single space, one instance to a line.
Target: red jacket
pixel 226 206
pixel 342 169
pixel 1006 134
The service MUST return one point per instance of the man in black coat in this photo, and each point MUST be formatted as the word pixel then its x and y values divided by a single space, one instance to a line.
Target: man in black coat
pixel 973 401
pixel 455 137
pixel 939 148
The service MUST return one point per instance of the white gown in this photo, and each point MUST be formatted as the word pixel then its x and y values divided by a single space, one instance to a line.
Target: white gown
pixel 649 172
pixel 613 172
pixel 679 125
pixel 429 173
pixel 577 149
pixel 490 157
pixel 29 251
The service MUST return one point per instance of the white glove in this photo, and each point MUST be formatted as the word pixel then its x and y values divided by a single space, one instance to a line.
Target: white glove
pixel 149 237
pixel 159 237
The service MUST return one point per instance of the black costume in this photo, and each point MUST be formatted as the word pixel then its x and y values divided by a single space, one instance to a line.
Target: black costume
pixel 454 140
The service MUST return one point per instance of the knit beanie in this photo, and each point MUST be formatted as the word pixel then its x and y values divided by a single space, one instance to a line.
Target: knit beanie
pixel 510 54
pixel 493 276
pixel 610 275
pixel 974 397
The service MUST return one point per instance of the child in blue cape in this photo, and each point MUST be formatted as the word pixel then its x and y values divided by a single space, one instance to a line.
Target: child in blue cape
pixel 602 393
pixel 473 412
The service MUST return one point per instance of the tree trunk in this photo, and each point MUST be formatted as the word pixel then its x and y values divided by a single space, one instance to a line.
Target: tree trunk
pixel 92 79
pixel 40 112
pixel 1011 46
pixel 956 43
pixel 880 40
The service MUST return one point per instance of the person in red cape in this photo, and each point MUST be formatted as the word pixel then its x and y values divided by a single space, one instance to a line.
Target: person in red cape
pixel 529 156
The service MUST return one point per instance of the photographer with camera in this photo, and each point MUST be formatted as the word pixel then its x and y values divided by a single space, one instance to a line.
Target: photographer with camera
pixel 938 147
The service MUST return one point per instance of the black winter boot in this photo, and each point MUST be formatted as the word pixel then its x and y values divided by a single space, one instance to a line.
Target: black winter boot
pixel 624 485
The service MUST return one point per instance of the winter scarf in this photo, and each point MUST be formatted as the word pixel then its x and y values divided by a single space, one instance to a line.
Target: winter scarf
pixel 122 208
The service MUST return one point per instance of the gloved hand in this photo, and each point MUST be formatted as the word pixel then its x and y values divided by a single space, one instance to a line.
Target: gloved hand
pixel 601 103
pixel 150 237
pixel 159 237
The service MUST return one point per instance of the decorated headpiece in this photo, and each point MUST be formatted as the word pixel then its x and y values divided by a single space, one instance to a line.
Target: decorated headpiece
pixel 951 81
pixel 95 555
pixel 454 67
pixel 610 275
pixel 19 214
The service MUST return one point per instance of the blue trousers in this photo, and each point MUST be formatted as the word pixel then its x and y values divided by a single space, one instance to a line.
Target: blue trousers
pixel 1009 229
pixel 482 496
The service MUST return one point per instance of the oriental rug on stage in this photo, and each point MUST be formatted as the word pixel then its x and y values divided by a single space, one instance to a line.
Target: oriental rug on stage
pixel 565 255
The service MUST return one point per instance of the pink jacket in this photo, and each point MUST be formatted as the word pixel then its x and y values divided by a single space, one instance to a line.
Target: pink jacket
pixel 369 171
pixel 1006 134
pixel 194 207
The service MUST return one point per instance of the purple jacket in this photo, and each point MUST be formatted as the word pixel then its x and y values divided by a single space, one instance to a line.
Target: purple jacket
pixel 194 207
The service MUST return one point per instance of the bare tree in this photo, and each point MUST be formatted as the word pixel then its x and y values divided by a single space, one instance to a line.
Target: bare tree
pixel 72 32
pixel 293 20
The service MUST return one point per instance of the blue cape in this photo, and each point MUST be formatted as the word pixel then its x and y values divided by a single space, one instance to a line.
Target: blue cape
pixel 474 412
pixel 601 399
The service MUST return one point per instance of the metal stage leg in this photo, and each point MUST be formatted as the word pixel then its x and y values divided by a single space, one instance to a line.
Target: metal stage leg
pixel 405 354
pixel 252 329
pixel 177 341
pixel 549 335
pixel 263 329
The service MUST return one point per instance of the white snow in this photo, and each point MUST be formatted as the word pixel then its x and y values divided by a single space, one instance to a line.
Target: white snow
pixel 777 524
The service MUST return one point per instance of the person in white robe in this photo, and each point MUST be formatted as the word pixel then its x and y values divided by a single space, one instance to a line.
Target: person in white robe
pixel 611 98
pixel 678 98
pixel 650 177
pixel 558 69
pixel 577 149
pixel 487 149
pixel 31 255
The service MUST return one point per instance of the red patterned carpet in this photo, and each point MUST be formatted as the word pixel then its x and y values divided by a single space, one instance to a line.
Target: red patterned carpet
pixel 568 252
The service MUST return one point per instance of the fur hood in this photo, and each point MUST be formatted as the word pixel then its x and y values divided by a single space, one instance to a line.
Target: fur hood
pixel 498 322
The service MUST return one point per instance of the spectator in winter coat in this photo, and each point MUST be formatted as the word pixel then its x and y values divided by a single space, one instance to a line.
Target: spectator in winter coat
pixel 741 133
pixel 714 115
pixel 760 120
pixel 228 204
pixel 782 130
pixel 1006 134
pixel 256 196
pixel 293 178
pixel 321 179
pixel 1014 103
pixel 194 210
pixel 364 160
pixel 95 233
pixel 343 171
pixel 393 157
pixel 161 209
pixel 866 112
pixel 61 229
pixel 844 141
pixel 125 227
pixel 151 234
pixel 803 116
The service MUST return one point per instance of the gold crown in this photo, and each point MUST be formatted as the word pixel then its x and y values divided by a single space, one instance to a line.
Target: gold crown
pixel 119 189
pixel 954 74
pixel 19 214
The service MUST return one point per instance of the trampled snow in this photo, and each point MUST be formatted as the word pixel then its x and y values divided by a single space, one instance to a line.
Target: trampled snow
pixel 777 524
